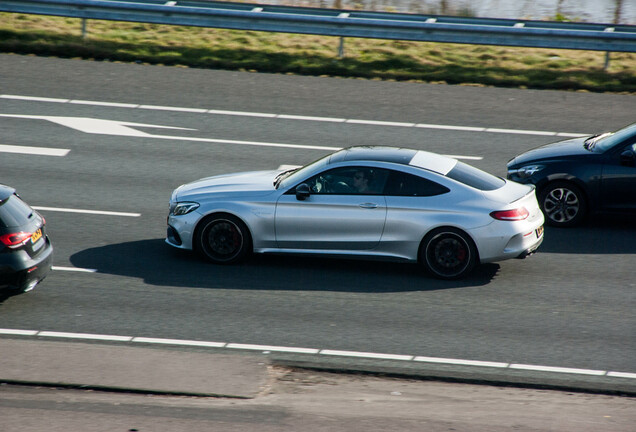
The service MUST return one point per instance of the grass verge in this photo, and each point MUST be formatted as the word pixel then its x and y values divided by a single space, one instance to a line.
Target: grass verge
pixel 318 55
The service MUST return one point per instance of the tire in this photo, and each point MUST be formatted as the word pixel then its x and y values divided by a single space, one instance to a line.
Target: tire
pixel 563 204
pixel 223 239
pixel 448 253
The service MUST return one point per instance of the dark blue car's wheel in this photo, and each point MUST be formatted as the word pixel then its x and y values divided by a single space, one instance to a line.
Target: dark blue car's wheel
pixel 563 204
pixel 223 239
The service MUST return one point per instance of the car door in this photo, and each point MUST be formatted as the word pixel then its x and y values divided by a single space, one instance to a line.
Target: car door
pixel 333 216
pixel 618 184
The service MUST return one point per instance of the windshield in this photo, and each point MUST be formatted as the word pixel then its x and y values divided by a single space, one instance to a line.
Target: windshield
pixel 290 178
pixel 608 140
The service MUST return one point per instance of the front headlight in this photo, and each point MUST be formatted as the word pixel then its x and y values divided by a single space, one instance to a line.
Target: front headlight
pixel 526 171
pixel 183 208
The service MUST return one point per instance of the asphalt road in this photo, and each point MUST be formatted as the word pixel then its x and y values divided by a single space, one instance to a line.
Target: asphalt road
pixel 570 306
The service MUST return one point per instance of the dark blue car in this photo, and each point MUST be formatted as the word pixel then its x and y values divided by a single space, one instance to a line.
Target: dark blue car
pixel 582 175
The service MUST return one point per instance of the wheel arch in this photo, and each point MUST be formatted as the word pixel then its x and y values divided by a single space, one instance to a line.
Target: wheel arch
pixel 203 220
pixel 430 232
pixel 566 178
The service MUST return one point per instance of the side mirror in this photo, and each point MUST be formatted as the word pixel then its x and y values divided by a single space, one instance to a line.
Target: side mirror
pixel 302 192
pixel 628 158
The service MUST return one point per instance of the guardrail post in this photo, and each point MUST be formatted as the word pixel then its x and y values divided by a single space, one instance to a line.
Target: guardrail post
pixel 607 60
pixel 341 47
pixel 84 28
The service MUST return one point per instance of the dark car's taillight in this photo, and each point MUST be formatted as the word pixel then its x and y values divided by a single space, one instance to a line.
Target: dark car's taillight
pixel 15 239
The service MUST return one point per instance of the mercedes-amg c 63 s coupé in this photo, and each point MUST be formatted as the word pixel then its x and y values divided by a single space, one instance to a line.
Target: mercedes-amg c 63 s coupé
pixel 369 202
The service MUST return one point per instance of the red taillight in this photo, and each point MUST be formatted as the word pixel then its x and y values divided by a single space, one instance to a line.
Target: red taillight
pixel 14 239
pixel 511 215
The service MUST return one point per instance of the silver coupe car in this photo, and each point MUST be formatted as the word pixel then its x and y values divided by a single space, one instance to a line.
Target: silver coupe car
pixel 369 202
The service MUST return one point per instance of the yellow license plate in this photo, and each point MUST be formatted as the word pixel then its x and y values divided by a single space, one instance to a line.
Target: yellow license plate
pixel 539 231
pixel 36 236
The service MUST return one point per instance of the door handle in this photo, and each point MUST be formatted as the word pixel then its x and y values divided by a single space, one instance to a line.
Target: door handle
pixel 368 205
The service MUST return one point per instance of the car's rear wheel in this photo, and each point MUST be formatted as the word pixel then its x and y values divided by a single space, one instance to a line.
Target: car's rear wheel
pixel 448 253
pixel 223 239
pixel 563 204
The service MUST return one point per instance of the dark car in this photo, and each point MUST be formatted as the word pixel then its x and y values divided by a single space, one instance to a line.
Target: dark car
pixel 582 175
pixel 25 249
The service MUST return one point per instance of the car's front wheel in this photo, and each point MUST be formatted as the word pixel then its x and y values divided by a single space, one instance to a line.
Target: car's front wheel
pixel 448 253
pixel 223 239
pixel 563 204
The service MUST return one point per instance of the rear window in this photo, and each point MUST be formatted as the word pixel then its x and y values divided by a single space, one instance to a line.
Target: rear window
pixel 403 184
pixel 14 212
pixel 475 177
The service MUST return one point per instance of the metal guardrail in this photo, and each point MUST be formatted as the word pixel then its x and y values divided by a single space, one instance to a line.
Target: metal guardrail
pixel 329 22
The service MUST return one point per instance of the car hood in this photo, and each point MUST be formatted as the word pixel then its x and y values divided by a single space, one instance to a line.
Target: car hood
pixel 571 147
pixel 254 182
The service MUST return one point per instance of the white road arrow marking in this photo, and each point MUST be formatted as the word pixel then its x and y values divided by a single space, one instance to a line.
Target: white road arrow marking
pixel 121 128
pixel 97 126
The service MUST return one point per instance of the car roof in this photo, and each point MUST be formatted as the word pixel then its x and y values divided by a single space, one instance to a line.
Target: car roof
pixel 417 158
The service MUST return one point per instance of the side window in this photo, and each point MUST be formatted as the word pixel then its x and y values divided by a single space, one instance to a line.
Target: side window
pixel 349 181
pixel 404 184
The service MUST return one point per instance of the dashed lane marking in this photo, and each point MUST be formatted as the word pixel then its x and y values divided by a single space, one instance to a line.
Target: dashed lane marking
pixel 83 211
pixel 38 151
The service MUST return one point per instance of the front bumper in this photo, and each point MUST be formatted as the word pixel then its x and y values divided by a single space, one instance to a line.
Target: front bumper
pixel 180 230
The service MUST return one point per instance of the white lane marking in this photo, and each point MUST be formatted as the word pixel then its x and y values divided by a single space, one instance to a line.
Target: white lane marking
pixel 558 369
pixel 272 348
pixel 380 123
pixel 521 132
pixel 622 375
pixel 95 212
pixel 440 360
pixel 303 118
pixel 34 98
pixel 449 127
pixel 18 332
pixel 310 118
pixel 107 104
pixel 85 336
pixel 39 151
pixel 73 269
pixel 168 108
pixel 162 341
pixel 461 362
pixel 366 355
pixel 241 113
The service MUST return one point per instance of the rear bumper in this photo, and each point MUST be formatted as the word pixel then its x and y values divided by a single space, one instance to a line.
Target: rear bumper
pixel 526 253
pixel 508 240
pixel 21 273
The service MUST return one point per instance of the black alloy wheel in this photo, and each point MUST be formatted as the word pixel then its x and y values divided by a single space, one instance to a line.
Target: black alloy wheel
pixel 563 204
pixel 448 253
pixel 223 239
